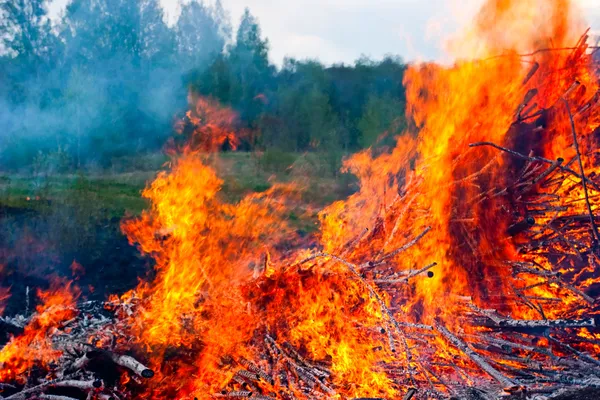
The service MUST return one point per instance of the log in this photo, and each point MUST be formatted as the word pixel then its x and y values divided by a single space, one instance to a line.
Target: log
pixel 407 277
pixel 578 353
pixel 33 391
pixel 534 68
pixel 259 372
pixel 508 323
pixel 124 361
pixel 247 375
pixel 410 394
pixel 235 394
pixel 548 171
pixel 401 249
pixel 536 158
pixel 520 226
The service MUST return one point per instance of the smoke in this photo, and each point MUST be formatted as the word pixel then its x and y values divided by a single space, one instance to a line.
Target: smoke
pixel 104 81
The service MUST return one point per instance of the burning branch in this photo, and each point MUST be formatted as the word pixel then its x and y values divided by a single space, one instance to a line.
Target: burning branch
pixel 476 358
pixel 584 179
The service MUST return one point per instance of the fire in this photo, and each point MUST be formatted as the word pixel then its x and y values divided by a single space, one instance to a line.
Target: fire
pixel 208 126
pixel 34 346
pixel 4 295
pixel 487 213
pixel 4 292
pixel 436 203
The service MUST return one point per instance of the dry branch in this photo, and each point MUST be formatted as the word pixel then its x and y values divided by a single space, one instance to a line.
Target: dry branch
pixel 583 180
pixel 476 358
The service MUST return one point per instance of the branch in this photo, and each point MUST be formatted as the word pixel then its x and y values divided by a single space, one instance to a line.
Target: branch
pixel 583 180
pixel 476 358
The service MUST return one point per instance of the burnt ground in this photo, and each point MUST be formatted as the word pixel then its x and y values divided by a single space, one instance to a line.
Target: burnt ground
pixel 582 394
pixel 37 248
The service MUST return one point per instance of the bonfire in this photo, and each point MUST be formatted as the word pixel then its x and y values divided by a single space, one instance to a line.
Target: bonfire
pixel 465 266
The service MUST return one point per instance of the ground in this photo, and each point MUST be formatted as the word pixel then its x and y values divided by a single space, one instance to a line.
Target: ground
pixel 49 219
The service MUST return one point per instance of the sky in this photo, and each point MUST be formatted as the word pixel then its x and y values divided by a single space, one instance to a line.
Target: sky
pixel 344 30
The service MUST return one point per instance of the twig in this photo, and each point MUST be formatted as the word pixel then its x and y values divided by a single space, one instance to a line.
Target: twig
pixel 583 180
pixel 534 158
pixel 476 358
pixel 406 278
pixel 578 353
pixel 401 249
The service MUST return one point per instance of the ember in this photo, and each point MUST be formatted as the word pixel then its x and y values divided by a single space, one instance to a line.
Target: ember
pixel 465 266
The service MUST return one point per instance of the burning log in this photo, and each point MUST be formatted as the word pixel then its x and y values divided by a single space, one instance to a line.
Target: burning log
pixel 247 375
pixel 410 394
pixel 537 324
pixel 410 275
pixel 401 249
pixel 129 363
pixel 528 97
pixel 534 68
pixel 520 226
pixel 580 354
pixel 27 393
pixel 548 171
pixel 291 352
pixel 235 394
pixel 257 371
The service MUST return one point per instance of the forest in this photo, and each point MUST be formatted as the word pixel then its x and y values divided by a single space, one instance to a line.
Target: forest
pixel 107 79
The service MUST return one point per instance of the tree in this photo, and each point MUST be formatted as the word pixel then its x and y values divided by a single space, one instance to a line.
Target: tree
pixel 103 30
pixel 199 35
pixel 252 74
pixel 383 118
pixel 157 41
pixel 25 29
pixel 28 47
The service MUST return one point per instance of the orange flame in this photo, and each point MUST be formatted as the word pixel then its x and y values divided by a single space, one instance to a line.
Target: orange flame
pixel 34 346
pixel 231 283
pixel 225 281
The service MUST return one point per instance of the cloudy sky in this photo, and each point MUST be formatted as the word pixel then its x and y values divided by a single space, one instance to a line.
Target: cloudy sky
pixel 343 30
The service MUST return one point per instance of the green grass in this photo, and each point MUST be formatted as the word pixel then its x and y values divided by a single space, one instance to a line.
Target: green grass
pixel 114 194
pixel 117 191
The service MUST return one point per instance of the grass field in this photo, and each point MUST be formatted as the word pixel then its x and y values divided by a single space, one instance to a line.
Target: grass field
pixel 116 192
pixel 50 219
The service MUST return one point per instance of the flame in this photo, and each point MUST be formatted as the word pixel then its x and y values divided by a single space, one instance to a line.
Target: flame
pixel 459 198
pixel 225 282
pixel 4 292
pixel 34 346
pixel 449 187
pixel 208 126
pixel 4 296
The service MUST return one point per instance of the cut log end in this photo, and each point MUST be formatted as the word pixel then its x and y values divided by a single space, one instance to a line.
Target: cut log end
pixel 147 373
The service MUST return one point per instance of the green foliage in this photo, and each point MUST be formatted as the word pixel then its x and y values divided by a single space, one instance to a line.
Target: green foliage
pixel 383 115
pixel 25 30
pixel 107 82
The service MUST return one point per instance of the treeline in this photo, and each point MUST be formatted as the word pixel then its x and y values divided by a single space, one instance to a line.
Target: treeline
pixel 108 78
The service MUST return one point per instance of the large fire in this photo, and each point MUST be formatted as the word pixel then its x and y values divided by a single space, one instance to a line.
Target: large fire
pixel 489 210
